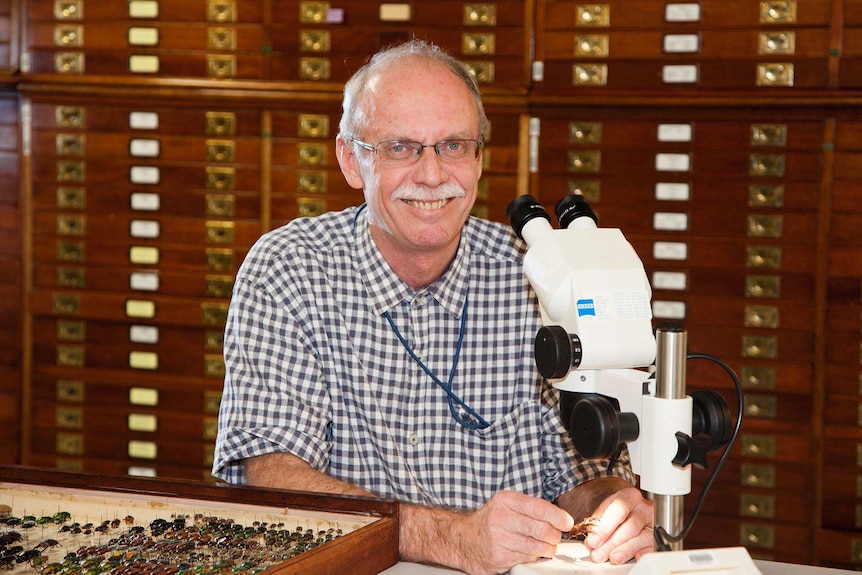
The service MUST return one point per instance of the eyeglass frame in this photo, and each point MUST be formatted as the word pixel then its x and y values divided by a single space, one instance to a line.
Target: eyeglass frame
pixel 372 148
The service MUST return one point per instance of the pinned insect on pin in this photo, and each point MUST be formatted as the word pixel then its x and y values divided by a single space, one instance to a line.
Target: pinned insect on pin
pixel 582 529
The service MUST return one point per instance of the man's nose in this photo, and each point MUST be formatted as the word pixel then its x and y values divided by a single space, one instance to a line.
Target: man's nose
pixel 429 168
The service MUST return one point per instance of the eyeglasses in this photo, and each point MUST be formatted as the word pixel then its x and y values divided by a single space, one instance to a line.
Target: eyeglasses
pixel 407 152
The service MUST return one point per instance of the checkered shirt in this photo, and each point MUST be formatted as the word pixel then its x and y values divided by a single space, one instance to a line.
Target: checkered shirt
pixel 314 368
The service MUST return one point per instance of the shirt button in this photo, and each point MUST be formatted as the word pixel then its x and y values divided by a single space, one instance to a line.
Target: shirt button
pixel 413 438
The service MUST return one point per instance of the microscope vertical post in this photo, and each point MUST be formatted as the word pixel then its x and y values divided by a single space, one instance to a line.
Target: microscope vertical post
pixel 672 345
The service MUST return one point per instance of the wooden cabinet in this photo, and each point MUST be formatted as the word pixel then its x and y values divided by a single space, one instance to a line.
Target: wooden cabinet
pixel 146 144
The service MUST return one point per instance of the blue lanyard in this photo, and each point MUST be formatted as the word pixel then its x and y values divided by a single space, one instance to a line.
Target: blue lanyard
pixel 473 419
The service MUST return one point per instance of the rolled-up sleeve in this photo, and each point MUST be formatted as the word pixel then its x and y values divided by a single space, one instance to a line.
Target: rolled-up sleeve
pixel 274 398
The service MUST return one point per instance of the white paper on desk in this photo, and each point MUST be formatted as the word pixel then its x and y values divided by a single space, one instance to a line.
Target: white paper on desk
pixel 572 558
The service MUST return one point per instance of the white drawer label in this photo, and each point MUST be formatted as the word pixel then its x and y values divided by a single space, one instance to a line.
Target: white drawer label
pixel 145 202
pixel 144 229
pixel 672 191
pixel 144 281
pixel 670 251
pixel 669 280
pixel 144 175
pixel 144 148
pixel 682 12
pixel 670 221
pixel 674 133
pixel 143 120
pixel 672 162
pixel 679 74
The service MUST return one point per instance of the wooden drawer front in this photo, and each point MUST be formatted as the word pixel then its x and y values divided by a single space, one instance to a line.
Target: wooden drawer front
pixel 444 13
pixel 844 411
pixel 144 36
pixel 673 280
pixel 124 253
pixel 681 46
pixel 741 164
pixel 286 207
pixel 839 549
pixel 751 344
pixel 766 407
pixel 687 221
pixel 845 350
pixel 5 37
pixel 155 149
pixel 769 477
pixel 47 442
pixel 844 379
pixel 240 11
pixel 311 181
pixel 497 43
pixel 157 392
pixel 120 467
pixel 93 201
pixel 757 256
pixel 633 74
pixel 652 14
pixel 178 361
pixel 126 422
pixel 850 74
pixel 763 504
pixel 129 332
pixel 310 42
pixel 679 130
pixel 624 188
pixel 149 231
pixel 846 318
pixel 158 118
pixel 848 136
pixel 774 318
pixel 845 260
pixel 138 308
pixel 107 173
pixel 758 536
pixel 137 279
pixel 114 63
pixel 500 72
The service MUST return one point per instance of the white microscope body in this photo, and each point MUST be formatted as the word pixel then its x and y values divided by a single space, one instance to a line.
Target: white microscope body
pixel 590 282
pixel 596 347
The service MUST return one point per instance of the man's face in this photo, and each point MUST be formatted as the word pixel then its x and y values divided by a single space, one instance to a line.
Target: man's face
pixel 418 207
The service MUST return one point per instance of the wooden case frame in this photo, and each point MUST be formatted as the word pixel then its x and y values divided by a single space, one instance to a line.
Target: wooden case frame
pixel 368 550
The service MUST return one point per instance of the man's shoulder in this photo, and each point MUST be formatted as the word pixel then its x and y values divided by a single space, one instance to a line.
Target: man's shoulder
pixel 302 242
pixel 494 240
pixel 319 233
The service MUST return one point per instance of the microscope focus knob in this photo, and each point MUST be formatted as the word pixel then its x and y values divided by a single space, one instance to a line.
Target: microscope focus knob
pixel 597 427
pixel 691 450
pixel 557 352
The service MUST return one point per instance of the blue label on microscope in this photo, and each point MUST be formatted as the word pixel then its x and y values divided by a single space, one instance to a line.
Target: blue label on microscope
pixel 586 307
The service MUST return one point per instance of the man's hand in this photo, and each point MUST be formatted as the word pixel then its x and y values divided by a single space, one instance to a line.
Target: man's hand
pixel 624 530
pixel 510 529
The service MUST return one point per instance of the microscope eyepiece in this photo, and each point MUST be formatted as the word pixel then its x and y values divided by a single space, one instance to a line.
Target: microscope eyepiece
pixel 572 207
pixel 522 210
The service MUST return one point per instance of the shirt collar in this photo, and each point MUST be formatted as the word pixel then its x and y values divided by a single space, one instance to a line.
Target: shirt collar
pixel 386 290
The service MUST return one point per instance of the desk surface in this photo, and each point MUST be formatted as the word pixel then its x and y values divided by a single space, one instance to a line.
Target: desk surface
pixel 765 567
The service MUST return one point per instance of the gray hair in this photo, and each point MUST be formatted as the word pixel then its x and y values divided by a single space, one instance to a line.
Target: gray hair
pixel 353 117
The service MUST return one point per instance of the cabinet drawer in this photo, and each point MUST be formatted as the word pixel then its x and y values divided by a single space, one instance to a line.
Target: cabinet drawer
pixel 244 11
pixel 205 118
pixel 651 14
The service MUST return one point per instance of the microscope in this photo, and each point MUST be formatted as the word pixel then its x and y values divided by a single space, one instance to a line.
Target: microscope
pixel 621 384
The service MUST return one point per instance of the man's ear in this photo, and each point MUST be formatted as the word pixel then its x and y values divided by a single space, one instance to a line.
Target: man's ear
pixel 349 163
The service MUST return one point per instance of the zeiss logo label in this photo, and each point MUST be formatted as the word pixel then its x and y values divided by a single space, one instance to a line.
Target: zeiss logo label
pixel 586 307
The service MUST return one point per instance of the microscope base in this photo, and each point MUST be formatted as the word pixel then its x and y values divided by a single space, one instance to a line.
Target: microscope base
pixel 573 558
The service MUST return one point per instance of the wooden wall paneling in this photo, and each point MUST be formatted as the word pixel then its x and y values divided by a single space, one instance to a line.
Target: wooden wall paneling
pixel 721 136
pixel 11 284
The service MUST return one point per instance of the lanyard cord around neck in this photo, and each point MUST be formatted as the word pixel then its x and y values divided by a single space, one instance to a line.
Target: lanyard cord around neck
pixel 474 420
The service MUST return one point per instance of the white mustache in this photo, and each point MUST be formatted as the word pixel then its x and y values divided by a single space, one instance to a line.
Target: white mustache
pixel 425 194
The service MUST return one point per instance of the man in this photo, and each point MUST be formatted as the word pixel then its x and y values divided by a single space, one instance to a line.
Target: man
pixel 387 349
